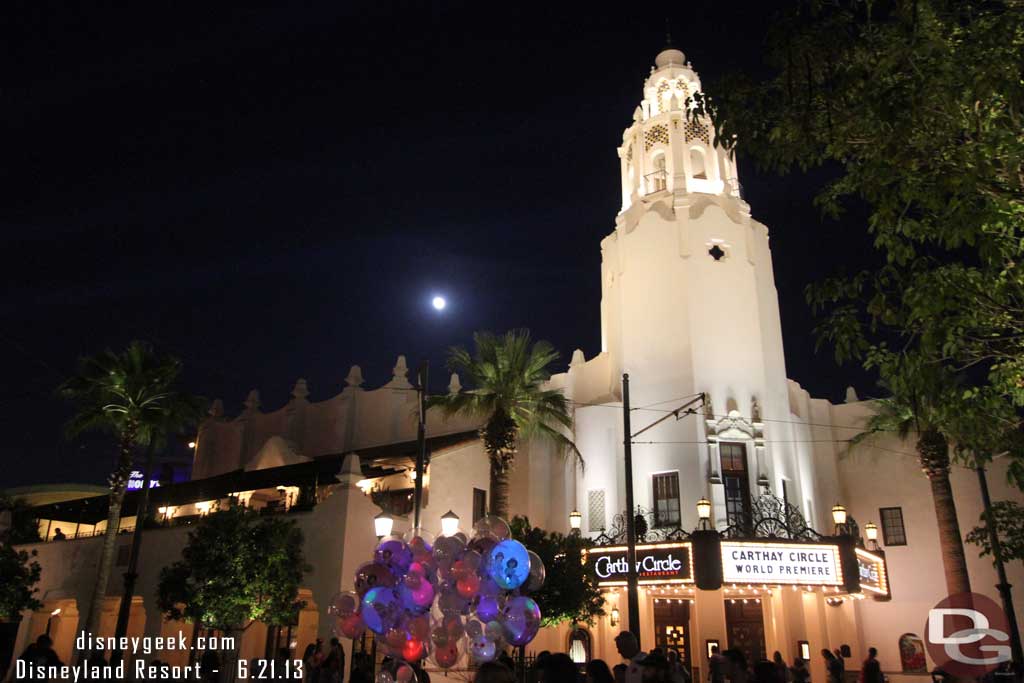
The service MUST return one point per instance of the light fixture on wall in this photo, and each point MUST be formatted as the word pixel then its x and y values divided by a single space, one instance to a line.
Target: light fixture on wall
pixel 449 524
pixel 839 518
pixel 615 616
pixel 704 513
pixel 575 520
pixel 871 531
pixel 191 444
pixel 382 524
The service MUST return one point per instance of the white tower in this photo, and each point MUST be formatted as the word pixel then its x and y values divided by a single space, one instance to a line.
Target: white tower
pixel 688 305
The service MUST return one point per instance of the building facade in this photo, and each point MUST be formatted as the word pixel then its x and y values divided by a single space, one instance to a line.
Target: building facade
pixel 690 312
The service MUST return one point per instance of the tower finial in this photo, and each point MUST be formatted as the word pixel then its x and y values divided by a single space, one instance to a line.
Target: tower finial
pixel 668 32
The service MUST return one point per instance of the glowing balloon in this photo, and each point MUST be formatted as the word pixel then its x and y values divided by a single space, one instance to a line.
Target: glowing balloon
pixel 394 554
pixel 351 626
pixel 474 628
pixel 414 649
pixel 344 604
pixel 481 649
pixel 521 620
pixel 492 525
pixel 405 674
pixel 538 572
pixel 421 544
pixel 509 564
pixel 416 592
pixel 451 602
pixel 381 609
pixel 446 656
pixel 488 608
pixel 371 575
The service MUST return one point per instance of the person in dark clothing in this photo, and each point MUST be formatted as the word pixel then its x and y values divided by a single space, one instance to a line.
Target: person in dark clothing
pixel 598 672
pixel 558 668
pixel 716 666
pixel 871 670
pixel 494 672
pixel 833 666
pixel 333 669
pixel 40 653
pixel 799 672
pixel 782 674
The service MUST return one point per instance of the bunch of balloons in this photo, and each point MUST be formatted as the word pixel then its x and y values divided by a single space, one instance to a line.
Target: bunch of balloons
pixel 443 598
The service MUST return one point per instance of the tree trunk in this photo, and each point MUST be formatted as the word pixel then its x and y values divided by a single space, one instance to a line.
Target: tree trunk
pixel 118 484
pixel 933 450
pixel 500 435
pixel 499 487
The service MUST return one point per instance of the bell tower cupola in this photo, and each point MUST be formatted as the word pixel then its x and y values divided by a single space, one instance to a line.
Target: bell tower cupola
pixel 668 149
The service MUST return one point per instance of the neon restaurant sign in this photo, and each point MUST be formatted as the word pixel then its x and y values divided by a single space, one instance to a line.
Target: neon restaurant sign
pixel 709 562
pixel 656 564
pixel 783 563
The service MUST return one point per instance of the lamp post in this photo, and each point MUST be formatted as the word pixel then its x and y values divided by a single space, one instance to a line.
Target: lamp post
pixel 421 438
pixel 575 520
pixel 839 518
pixel 871 531
pixel 704 513
pixel 382 524
pixel 449 524
pixel 53 614
pixel 632 589
pixel 1017 652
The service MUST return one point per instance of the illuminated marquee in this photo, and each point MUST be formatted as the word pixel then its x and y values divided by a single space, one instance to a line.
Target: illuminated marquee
pixel 873 576
pixel 136 478
pixel 656 564
pixel 788 563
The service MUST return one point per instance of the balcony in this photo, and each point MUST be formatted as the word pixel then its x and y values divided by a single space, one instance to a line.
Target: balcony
pixel 656 181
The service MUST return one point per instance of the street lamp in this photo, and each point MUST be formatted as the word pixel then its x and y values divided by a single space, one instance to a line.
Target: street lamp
pixel 871 531
pixel 383 523
pixel 704 512
pixel 575 520
pixel 615 616
pixel 839 518
pixel 449 524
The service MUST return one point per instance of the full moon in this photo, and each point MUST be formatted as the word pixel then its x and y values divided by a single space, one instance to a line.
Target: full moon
pixel 439 303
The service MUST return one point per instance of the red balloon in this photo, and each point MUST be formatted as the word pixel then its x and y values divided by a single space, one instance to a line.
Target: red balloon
pixel 350 626
pixel 468 586
pixel 413 650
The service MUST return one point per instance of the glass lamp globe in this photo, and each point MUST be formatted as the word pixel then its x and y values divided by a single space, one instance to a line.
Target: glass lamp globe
pixel 838 514
pixel 449 524
pixel 575 520
pixel 382 524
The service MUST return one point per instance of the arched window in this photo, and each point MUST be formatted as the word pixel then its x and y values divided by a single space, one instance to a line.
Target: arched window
pixel 697 163
pixel 579 645
pixel 912 657
pixel 659 177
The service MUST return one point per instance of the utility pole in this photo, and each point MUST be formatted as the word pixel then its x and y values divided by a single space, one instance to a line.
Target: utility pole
pixel 632 591
pixel 1003 586
pixel 421 437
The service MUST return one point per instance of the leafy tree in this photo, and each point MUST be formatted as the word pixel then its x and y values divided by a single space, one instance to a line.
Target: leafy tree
pixel 916 108
pixel 238 567
pixel 24 523
pixel 570 593
pixel 507 374
pixel 924 397
pixel 123 394
pixel 20 573
pixel 1009 520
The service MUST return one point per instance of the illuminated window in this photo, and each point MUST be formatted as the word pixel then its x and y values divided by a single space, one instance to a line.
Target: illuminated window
pixel 893 532
pixel 666 499
pixel 579 646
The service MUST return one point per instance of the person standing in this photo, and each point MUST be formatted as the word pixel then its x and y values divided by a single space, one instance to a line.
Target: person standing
pixel 333 669
pixel 629 649
pixel 833 666
pixel 716 666
pixel 799 673
pixel 871 669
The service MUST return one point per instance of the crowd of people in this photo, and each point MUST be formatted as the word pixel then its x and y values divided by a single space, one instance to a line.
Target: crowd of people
pixel 658 666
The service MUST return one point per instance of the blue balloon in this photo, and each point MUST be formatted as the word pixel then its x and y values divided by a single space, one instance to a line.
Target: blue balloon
pixel 509 564
pixel 381 609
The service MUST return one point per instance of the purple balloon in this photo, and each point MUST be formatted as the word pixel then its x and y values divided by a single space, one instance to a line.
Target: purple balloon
pixel 394 554
pixel 488 608
pixel 371 575
pixel 381 609
pixel 521 620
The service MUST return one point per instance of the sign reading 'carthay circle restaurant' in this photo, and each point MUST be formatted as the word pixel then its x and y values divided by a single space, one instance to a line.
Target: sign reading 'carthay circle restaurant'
pixel 745 562
pixel 661 563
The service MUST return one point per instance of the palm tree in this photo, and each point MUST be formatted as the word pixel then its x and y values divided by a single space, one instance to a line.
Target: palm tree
pixel 124 394
pixel 923 403
pixel 507 374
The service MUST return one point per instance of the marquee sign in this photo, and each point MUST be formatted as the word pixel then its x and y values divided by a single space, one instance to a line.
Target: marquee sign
pixel 789 563
pixel 136 479
pixel 656 563
pixel 873 576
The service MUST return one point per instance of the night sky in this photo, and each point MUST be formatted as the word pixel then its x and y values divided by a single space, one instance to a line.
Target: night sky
pixel 274 192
